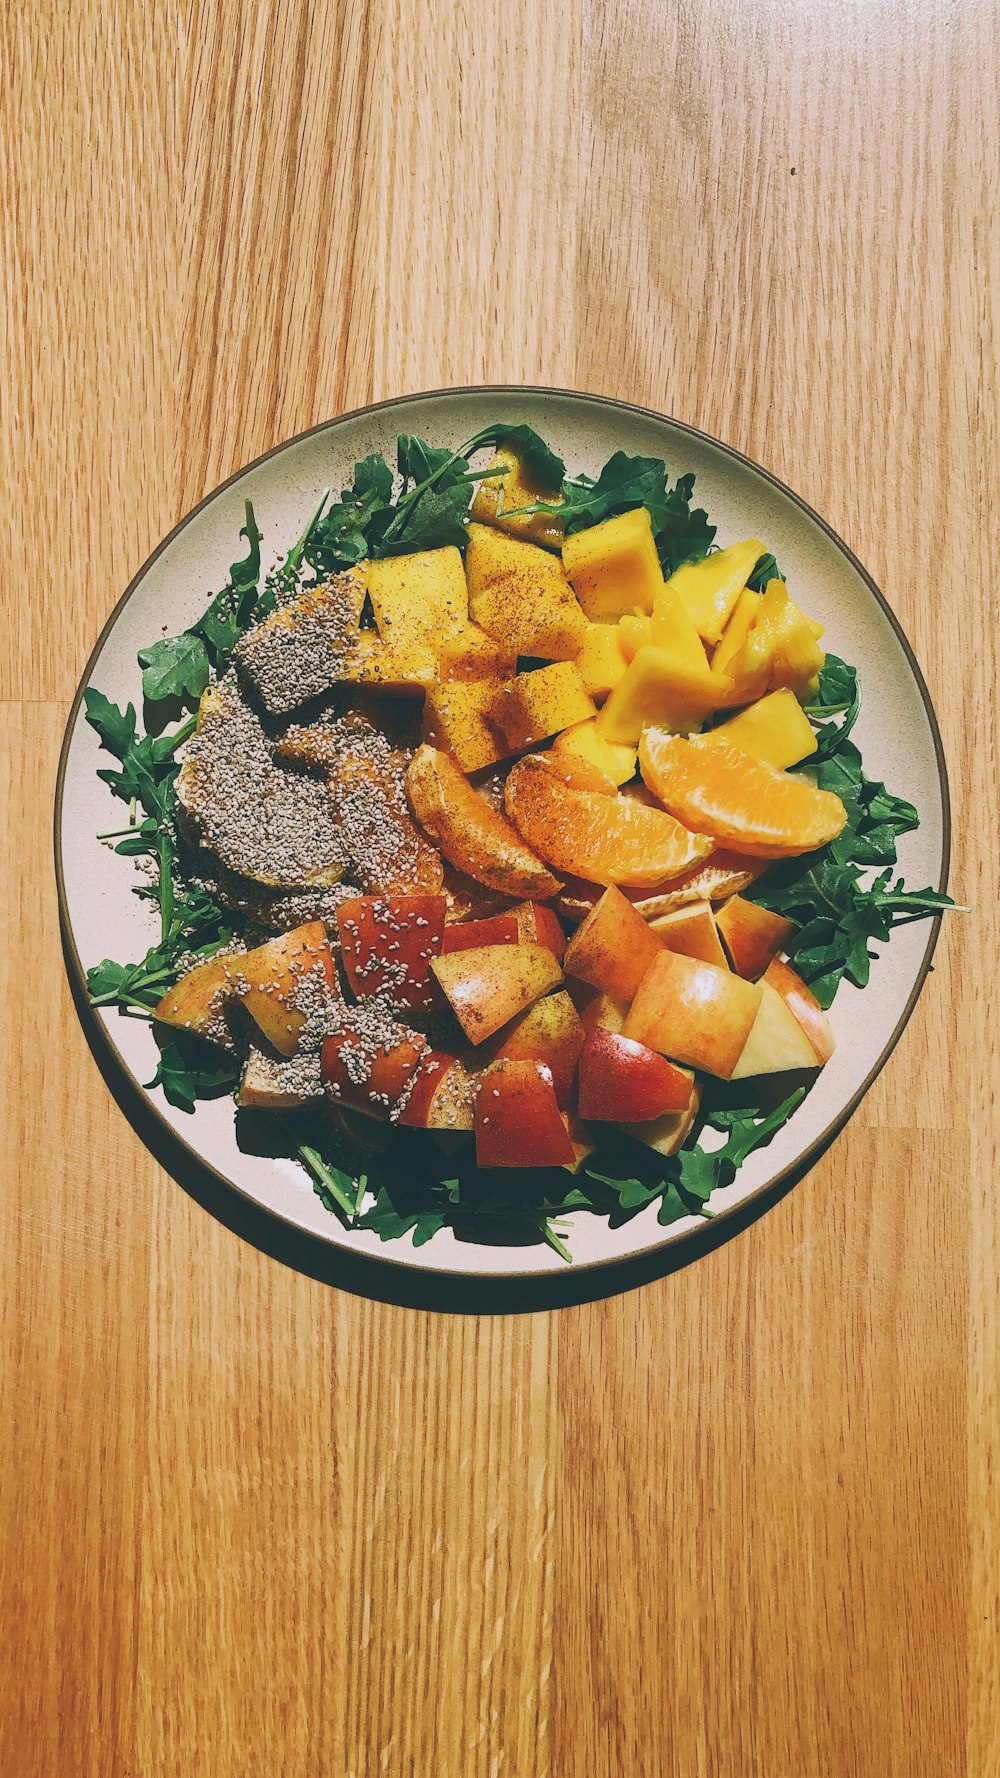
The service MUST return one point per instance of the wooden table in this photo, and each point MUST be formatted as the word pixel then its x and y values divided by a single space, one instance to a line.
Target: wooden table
pixel 741 1521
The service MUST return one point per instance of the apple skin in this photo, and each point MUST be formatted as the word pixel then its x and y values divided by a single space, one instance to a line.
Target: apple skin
pixel 267 979
pixel 694 1013
pixel 550 1032
pixel 538 925
pixel 753 936
pixel 613 947
pixel 468 935
pixel 667 1134
pixel 386 1072
pixel 196 1001
pixel 691 932
pixel 491 984
pixel 625 1081
pixel 777 1042
pixel 518 1121
pixel 442 1095
pixel 598 1012
pixel 583 1143
pixel 388 942
pixel 803 1003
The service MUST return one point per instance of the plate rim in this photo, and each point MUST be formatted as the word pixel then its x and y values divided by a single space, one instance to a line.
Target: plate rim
pixel 802 1164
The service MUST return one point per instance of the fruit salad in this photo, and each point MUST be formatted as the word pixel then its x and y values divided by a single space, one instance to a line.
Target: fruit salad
pixel 513 848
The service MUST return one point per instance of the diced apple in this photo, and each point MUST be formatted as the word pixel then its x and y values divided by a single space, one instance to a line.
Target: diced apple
pixel 613 947
pixel 518 1121
pixel 539 704
pixel 584 741
pixel 775 729
pixel 601 661
pixel 614 566
pixel 442 1093
pixel 694 1013
pixel 272 1083
pixel 419 598
pixel 460 716
pixel 803 1003
pixel 598 1011
pixel 668 1133
pixel 691 931
pixel 660 688
pixel 197 1001
pixel 580 1137
pixel 519 594
pixel 709 589
pixel 469 935
pixel 487 986
pixel 550 1032
pixel 752 935
pixel 623 1080
pixel 776 1042
pixel 388 942
pixel 538 925
pixel 368 1066
pixel 499 499
pixel 274 978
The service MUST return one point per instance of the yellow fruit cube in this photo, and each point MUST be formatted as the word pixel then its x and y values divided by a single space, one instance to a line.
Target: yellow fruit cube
pixel 499 496
pixel 614 566
pixel 602 659
pixel 472 654
pixel 635 632
pixel 774 729
pixel 709 589
pixel 457 718
pixel 392 666
pixel 659 688
pixel 419 598
pixel 731 656
pixel 585 741
pixel 540 703
pixel 519 594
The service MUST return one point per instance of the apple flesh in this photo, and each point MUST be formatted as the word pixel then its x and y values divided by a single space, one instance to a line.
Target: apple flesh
pixel 583 1143
pixel 272 980
pixel 613 947
pixel 599 1012
pixel 550 1032
pixel 668 1133
pixel 442 1094
pixel 468 935
pixel 491 984
pixel 621 1079
pixel 776 1042
pixel 197 1002
pixel 691 932
pixel 803 1003
pixel 753 936
pixel 388 943
pixel 518 1121
pixel 694 1013
pixel 370 1071
pixel 272 1083
pixel 538 925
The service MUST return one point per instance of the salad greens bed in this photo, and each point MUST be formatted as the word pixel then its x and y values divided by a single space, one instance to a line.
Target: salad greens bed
pixel 837 906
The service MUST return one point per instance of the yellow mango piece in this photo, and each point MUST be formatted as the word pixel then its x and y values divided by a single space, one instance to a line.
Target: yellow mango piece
pixel 671 627
pixel 472 654
pixel 419 598
pixel 585 741
pixel 730 657
pixel 614 566
pixel 602 660
pixel 775 729
pixel 457 719
pixel 498 497
pixel 709 589
pixel 659 688
pixel 392 666
pixel 519 594
pixel 539 704
pixel 792 640
pixel 635 632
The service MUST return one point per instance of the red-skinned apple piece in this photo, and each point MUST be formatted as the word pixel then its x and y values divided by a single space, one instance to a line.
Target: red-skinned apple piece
pixel 488 986
pixel 691 932
pixel 694 1013
pixel 752 935
pixel 269 979
pixel 538 925
pixel 196 1002
pixel 667 1134
pixel 599 1011
pixel 613 947
pixel 468 935
pixel 369 1069
pixel 550 1032
pixel 625 1081
pixel 777 1042
pixel 518 1121
pixel 803 1003
pixel 442 1095
pixel 388 943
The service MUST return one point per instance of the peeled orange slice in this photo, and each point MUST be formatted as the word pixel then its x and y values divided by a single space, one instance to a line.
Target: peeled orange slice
pixel 596 833
pixel 473 835
pixel 741 801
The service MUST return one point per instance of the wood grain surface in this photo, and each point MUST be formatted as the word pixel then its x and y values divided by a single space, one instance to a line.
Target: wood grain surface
pixel 742 1520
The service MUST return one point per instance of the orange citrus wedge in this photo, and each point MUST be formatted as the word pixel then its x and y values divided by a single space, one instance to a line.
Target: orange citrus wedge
pixel 742 801
pixel 596 833
pixel 473 835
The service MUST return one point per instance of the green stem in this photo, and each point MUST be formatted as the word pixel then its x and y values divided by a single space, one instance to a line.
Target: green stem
pixel 187 728
pixel 359 1197
pixel 120 833
pixel 311 1158
pixel 407 502
pixel 166 886
pixel 294 556
pixel 548 1233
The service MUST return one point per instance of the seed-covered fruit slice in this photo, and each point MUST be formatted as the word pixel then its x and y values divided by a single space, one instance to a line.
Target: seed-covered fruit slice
pixel 388 943
pixel 473 835
pixel 741 801
pixel 281 981
pixel 604 838
pixel 368 1061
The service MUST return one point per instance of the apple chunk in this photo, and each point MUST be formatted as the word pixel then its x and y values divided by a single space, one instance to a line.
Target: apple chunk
pixel 388 942
pixel 368 1062
pixel 280 981
pixel 613 947
pixel 197 1002
pixel 538 925
pixel 752 935
pixel 622 1079
pixel 691 931
pixel 803 1003
pixel 776 1042
pixel 442 1093
pixel 518 1121
pixel 493 983
pixel 694 1012
pixel 468 935
pixel 550 1032
pixel 668 1133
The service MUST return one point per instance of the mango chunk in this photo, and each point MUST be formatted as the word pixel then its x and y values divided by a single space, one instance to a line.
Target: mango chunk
pixel 774 729
pixel 709 589
pixel 662 689
pixel 499 496
pixel 614 566
pixel 457 718
pixel 635 631
pixel 519 594
pixel 602 659
pixel 585 741
pixel 795 656
pixel 730 657
pixel 420 597
pixel 539 704
pixel 471 654
pixel 392 666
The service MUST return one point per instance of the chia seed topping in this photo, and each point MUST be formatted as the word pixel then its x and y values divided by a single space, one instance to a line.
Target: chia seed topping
pixel 300 650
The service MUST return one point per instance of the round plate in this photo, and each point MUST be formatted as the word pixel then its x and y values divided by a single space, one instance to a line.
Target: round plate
pixel 897 733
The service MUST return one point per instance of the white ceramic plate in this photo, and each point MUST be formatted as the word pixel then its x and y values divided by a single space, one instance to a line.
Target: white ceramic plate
pixel 897 733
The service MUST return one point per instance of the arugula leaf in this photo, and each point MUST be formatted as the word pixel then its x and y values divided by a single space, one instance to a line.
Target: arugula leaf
pixel 540 461
pixel 115 727
pixel 340 537
pixel 187 1072
pixel 177 667
pixel 765 569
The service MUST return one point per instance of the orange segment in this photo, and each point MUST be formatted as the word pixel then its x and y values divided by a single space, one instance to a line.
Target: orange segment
pixel 738 799
pixel 473 835
pixel 601 836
